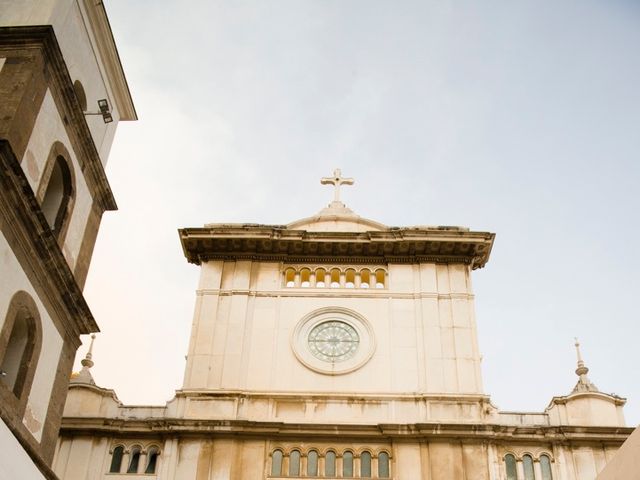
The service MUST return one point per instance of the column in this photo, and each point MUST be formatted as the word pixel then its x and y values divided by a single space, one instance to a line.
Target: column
pixel 126 456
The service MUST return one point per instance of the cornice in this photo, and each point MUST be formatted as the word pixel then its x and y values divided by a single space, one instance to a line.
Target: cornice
pixel 334 293
pixel 396 245
pixel 563 400
pixel 22 215
pixel 350 396
pixel 180 427
pixel 61 86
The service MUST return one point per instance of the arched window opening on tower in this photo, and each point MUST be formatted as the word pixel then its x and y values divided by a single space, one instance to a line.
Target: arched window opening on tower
pixel 350 278
pixel 276 463
pixel 383 465
pixel 305 277
pixel 152 460
pixel 365 464
pixel 80 95
pixel 57 198
pixel 545 467
pixel 116 459
pixel 380 274
pixel 347 464
pixel 511 467
pixel 335 278
pixel 527 464
pixel 320 276
pixel 312 464
pixel 20 342
pixel 365 278
pixel 134 460
pixel 290 278
pixel 294 463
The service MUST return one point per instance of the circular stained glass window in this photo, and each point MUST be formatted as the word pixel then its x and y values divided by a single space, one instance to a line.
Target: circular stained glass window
pixel 333 341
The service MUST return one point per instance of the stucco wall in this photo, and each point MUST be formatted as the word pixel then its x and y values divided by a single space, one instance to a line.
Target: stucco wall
pixel 47 130
pixel 78 48
pixel 14 279
pixel 14 461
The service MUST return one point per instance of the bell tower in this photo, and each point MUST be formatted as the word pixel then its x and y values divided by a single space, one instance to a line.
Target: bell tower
pixel 62 93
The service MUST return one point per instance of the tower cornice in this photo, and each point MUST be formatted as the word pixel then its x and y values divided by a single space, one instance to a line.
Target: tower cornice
pixel 277 243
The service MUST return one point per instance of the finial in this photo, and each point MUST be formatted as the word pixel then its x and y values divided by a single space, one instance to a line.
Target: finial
pixel 84 375
pixel 87 360
pixel 337 181
pixel 584 384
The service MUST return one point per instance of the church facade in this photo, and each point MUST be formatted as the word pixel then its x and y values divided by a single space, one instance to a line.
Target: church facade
pixel 335 347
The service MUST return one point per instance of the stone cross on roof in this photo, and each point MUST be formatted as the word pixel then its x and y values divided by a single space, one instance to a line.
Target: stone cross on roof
pixel 337 181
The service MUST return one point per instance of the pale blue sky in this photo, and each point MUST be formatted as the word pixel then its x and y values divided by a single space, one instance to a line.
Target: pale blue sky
pixel 520 118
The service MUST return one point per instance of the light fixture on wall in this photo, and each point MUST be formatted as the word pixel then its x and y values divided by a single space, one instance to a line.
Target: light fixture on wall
pixel 103 105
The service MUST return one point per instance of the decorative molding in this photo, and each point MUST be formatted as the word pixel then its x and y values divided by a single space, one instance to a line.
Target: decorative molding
pixel 312 292
pixel 436 431
pixel 396 245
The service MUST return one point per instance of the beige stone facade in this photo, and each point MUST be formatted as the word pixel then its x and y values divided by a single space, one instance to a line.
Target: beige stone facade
pixel 57 59
pixel 335 347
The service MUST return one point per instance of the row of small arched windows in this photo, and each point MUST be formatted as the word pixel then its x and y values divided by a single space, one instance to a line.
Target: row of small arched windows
pixel 528 471
pixel 334 278
pixel 330 464
pixel 139 460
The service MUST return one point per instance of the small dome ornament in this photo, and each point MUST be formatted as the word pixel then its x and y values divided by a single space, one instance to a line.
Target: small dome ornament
pixel 84 375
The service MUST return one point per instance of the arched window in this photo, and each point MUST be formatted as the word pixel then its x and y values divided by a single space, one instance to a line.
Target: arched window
pixel 56 203
pixel 330 464
pixel 152 460
pixel 290 277
pixel 347 464
pixel 116 459
pixel 380 278
pixel 305 278
pixel 510 467
pixel 312 464
pixel 320 274
pixel 134 460
pixel 80 95
pixel 335 278
pixel 365 465
pixel 527 463
pixel 350 278
pixel 294 463
pixel 20 341
pixel 545 467
pixel 365 278
pixel 383 465
pixel 276 463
